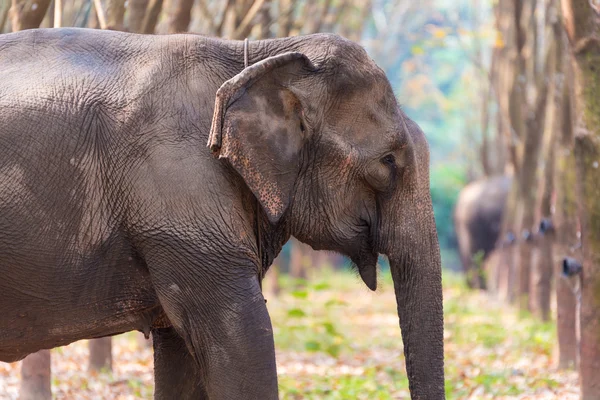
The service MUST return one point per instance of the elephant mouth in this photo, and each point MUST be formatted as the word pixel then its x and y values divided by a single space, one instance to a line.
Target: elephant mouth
pixel 367 268
pixel 365 258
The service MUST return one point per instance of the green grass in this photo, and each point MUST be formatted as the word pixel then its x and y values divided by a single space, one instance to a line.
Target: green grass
pixel 337 340
pixel 365 386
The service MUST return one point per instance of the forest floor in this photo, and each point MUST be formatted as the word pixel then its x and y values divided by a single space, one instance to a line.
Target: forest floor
pixel 337 340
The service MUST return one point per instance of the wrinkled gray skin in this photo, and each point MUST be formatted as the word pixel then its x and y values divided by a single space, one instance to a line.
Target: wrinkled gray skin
pixel 478 222
pixel 115 216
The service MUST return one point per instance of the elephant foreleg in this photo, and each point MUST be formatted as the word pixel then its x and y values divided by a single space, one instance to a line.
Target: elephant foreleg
pixel 220 314
pixel 175 373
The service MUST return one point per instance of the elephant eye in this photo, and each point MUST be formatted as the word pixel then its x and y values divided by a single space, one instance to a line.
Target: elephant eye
pixel 389 160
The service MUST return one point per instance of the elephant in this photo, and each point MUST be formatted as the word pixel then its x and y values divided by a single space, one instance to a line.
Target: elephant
pixel 478 222
pixel 148 182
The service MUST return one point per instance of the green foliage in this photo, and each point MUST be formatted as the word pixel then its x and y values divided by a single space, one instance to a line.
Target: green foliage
pixel 364 386
pixel 321 286
pixel 300 294
pixel 446 183
pixel 491 351
pixel 296 313
pixel 478 258
pixel 493 337
pixel 315 333
pixel 136 386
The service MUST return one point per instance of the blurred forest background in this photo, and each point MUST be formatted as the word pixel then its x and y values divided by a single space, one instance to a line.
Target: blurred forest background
pixel 502 88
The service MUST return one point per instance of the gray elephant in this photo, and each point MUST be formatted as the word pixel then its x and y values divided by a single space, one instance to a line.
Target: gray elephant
pixel 115 216
pixel 478 221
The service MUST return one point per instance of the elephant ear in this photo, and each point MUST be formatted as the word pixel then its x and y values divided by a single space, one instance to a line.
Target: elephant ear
pixel 258 127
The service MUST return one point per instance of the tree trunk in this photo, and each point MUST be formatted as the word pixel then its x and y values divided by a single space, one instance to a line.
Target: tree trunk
pixel 272 278
pixel 4 15
pixel 136 10
pixel 181 16
pixel 506 272
pixel 544 266
pixel 491 266
pixel 27 14
pixel 245 25
pixel 319 13
pixel 298 260
pixel 582 24
pixel 93 21
pixel 115 11
pixel 48 20
pixel 516 103
pixel 100 354
pixel 262 27
pixel 285 18
pixel 534 123
pixel 35 377
pixel 587 154
pixel 58 13
pixel 110 16
pixel 567 239
pixel 543 259
pixel 502 166
pixel 151 17
pixel 503 69
pixel 503 77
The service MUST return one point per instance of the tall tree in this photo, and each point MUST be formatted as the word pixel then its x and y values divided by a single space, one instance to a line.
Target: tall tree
pixel 567 239
pixel 152 15
pixel 4 8
pixel 58 13
pixel 582 23
pixel 272 278
pixel 299 259
pixel 27 14
pixel 115 11
pixel 180 15
pixel 136 10
pixel 286 9
pixel 100 354
pixel 35 377
pixel 531 118
pixel 543 264
pixel 520 82
pixel 110 14
pixel 503 76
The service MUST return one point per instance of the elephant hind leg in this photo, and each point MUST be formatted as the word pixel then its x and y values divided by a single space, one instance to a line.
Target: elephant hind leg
pixel 175 371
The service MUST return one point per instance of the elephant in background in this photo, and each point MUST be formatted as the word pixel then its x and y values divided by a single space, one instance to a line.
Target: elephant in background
pixel 478 222
pixel 115 215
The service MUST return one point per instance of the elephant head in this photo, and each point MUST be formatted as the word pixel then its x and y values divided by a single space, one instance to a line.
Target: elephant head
pixel 318 137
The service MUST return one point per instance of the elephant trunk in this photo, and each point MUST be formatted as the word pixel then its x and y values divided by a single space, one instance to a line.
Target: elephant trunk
pixel 416 271
pixel 408 236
